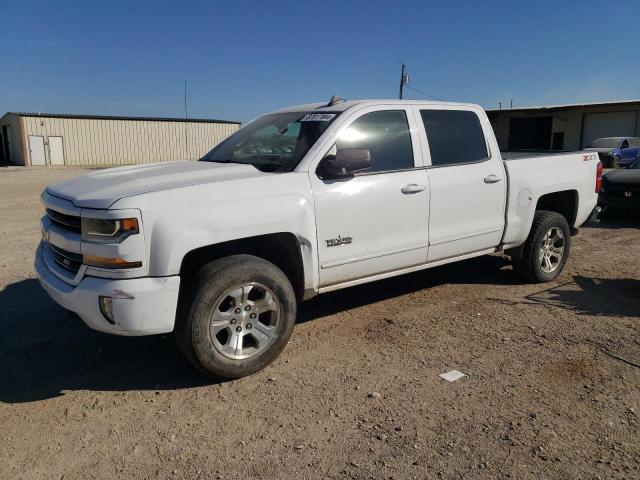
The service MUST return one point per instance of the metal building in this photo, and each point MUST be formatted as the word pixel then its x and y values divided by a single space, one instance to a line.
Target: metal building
pixel 91 140
pixel 564 127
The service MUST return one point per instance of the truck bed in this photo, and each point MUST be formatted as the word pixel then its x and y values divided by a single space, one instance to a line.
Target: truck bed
pixel 535 153
pixel 535 174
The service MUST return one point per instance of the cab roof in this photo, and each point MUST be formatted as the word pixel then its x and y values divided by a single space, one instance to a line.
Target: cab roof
pixel 344 105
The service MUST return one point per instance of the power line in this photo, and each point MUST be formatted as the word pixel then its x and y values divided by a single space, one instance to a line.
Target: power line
pixel 425 93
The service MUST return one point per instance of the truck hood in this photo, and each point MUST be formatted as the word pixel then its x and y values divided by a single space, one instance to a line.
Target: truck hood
pixel 599 150
pixel 622 177
pixel 102 188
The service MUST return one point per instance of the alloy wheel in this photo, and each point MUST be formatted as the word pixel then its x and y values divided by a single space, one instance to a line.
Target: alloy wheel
pixel 551 250
pixel 245 321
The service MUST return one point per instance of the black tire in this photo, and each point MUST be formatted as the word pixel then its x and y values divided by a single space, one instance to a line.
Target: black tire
pixel 615 162
pixel 203 297
pixel 526 262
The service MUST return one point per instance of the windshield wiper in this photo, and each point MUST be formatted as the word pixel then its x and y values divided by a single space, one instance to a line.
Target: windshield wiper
pixel 219 161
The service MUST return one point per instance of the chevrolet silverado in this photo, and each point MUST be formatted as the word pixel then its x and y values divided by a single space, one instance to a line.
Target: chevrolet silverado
pixel 298 202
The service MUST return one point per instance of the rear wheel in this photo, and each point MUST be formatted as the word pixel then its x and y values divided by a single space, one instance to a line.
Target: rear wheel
pixel 238 316
pixel 545 253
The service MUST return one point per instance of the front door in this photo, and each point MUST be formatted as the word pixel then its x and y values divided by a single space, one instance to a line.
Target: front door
pixel 36 149
pixel 374 222
pixel 468 185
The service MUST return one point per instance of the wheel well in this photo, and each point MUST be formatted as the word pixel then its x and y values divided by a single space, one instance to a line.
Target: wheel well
pixel 281 249
pixel 565 203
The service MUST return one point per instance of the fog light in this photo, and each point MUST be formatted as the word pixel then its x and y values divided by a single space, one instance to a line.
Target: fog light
pixel 106 307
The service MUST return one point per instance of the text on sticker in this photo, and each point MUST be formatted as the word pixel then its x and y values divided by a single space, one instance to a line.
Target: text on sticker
pixel 317 117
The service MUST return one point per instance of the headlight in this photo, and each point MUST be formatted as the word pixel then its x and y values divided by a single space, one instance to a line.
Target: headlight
pixel 101 230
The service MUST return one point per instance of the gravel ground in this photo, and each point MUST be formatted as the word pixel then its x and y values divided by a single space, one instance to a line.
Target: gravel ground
pixel 356 394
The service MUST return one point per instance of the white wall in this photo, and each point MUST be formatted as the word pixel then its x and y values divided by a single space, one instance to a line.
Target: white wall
pixel 123 142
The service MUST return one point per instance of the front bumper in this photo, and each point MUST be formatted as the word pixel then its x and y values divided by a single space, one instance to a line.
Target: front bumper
pixel 619 203
pixel 142 306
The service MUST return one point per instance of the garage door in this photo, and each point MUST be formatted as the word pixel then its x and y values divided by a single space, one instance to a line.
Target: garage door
pixel 613 124
pixel 530 133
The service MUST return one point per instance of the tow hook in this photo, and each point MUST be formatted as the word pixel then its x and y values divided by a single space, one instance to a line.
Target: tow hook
pixel 593 218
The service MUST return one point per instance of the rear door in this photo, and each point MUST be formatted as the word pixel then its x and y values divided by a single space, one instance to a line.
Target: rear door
pixel 467 182
pixel 374 222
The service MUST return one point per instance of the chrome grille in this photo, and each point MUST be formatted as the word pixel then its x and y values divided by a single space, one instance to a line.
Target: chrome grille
pixel 68 222
pixel 68 260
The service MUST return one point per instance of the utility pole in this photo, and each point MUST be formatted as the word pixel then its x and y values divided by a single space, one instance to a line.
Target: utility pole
pixel 186 116
pixel 404 79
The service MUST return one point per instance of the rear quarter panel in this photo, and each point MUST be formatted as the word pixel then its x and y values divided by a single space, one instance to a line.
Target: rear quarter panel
pixel 532 177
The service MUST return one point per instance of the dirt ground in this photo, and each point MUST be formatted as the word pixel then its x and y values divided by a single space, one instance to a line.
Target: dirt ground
pixel 356 394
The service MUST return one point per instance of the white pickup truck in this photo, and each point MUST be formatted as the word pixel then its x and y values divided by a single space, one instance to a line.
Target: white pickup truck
pixel 299 202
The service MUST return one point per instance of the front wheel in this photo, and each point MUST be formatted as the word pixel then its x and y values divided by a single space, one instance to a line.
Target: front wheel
pixel 545 252
pixel 238 315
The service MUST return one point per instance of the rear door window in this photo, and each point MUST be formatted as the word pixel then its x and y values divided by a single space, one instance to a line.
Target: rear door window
pixel 455 137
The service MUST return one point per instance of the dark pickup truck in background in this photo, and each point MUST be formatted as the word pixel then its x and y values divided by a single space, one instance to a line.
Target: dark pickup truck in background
pixel 621 188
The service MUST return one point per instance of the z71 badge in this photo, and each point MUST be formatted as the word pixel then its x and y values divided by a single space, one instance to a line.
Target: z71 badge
pixel 335 242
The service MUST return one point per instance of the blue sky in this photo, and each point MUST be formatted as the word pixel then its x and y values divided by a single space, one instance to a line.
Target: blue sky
pixel 242 58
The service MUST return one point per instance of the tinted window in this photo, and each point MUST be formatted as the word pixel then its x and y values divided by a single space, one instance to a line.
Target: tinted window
pixel 455 136
pixel 386 135
pixel 624 144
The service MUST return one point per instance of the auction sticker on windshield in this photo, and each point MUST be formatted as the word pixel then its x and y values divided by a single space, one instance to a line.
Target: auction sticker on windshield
pixel 318 117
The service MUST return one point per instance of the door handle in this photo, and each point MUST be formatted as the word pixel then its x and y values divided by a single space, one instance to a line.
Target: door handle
pixel 412 188
pixel 492 179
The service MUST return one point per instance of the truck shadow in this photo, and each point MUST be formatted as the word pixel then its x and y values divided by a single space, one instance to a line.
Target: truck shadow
pixel 45 350
pixel 485 270
pixel 613 220
pixel 593 296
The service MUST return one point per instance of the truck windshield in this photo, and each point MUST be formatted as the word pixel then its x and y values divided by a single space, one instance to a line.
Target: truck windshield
pixel 273 143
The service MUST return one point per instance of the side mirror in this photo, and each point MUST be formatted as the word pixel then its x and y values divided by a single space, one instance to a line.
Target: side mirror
pixel 345 163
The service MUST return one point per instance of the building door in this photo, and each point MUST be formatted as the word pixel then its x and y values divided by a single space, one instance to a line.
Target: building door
pixel 558 141
pixel 530 133
pixel 56 152
pixel 611 124
pixel 6 130
pixel 36 149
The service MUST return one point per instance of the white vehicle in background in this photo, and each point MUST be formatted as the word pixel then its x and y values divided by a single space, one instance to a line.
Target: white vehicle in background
pixel 302 201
